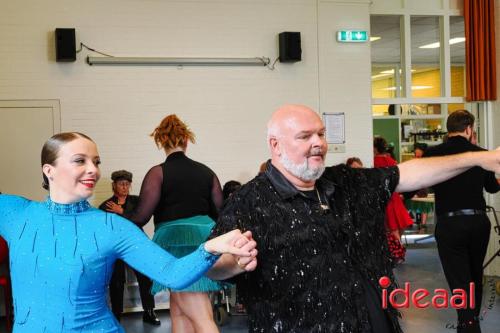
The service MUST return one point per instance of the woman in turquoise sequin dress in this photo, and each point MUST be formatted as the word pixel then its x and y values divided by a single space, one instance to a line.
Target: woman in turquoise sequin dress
pixel 62 250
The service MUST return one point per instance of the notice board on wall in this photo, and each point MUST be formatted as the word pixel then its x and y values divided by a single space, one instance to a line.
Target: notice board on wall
pixel 335 127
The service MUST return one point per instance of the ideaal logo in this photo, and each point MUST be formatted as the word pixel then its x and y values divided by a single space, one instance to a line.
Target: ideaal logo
pixel 422 298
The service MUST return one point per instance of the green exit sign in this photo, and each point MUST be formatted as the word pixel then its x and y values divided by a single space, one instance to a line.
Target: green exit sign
pixel 352 36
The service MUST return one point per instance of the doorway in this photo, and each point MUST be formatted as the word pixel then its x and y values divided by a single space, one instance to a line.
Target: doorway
pixel 24 127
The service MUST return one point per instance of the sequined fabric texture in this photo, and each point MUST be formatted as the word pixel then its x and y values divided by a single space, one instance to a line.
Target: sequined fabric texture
pixel 61 261
pixel 313 262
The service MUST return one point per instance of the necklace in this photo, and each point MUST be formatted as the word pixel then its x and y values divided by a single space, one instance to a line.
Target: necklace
pixel 323 206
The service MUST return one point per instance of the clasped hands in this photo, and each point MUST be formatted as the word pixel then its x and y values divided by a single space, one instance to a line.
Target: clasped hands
pixel 114 207
pixel 241 245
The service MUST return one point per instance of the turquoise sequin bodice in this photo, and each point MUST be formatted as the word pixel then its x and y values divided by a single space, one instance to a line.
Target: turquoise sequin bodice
pixel 61 261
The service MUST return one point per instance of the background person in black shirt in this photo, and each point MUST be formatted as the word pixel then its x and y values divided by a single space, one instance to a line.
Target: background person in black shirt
pixel 463 228
pixel 122 202
pixel 320 231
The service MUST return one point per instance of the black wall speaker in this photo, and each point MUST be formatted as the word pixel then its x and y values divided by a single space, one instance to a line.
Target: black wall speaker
pixel 65 44
pixel 290 50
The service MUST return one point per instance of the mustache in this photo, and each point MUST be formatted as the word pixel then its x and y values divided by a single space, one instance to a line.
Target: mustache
pixel 316 152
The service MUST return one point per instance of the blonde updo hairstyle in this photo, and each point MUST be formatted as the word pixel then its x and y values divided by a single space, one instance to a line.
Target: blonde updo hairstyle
pixel 172 133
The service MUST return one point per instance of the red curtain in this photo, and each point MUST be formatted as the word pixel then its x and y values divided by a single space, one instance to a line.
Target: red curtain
pixel 480 55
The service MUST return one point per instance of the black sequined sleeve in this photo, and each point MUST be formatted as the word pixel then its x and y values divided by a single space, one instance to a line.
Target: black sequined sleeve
pixel 383 181
pixel 235 214
pixel 239 212
pixel 374 184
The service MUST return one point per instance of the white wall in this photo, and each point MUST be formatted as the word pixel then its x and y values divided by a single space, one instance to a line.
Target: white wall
pixel 226 107
pixel 344 75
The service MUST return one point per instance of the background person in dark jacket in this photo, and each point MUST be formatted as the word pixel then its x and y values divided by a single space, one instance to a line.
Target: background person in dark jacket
pixel 463 228
pixel 122 202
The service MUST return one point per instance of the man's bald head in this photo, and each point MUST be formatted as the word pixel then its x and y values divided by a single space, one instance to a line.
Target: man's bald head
pixel 296 138
pixel 287 117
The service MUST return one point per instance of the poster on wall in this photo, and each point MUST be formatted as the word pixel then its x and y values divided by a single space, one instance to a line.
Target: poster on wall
pixel 335 127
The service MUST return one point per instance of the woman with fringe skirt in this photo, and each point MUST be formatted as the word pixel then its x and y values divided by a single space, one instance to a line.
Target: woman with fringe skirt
pixel 184 197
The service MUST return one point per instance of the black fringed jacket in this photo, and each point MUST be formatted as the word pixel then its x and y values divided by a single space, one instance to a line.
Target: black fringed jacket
pixel 312 262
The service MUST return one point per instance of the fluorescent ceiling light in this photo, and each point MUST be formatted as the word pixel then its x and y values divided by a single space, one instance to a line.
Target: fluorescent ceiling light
pixel 379 75
pixel 420 87
pixel 391 71
pixel 430 46
pixel 374 38
pixel 457 40
pixel 435 45
pixel 412 88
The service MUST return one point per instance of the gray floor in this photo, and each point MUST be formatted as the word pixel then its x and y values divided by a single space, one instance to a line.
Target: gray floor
pixel 422 269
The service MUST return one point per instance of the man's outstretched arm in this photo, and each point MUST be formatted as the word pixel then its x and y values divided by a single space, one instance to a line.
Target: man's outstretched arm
pixel 424 172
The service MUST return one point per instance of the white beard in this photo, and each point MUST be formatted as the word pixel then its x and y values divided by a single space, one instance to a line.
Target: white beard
pixel 301 171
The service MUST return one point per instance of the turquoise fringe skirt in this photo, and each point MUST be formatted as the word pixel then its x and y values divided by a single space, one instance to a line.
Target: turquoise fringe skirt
pixel 180 238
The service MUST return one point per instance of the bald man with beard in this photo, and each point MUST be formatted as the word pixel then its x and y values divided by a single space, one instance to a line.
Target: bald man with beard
pixel 320 231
